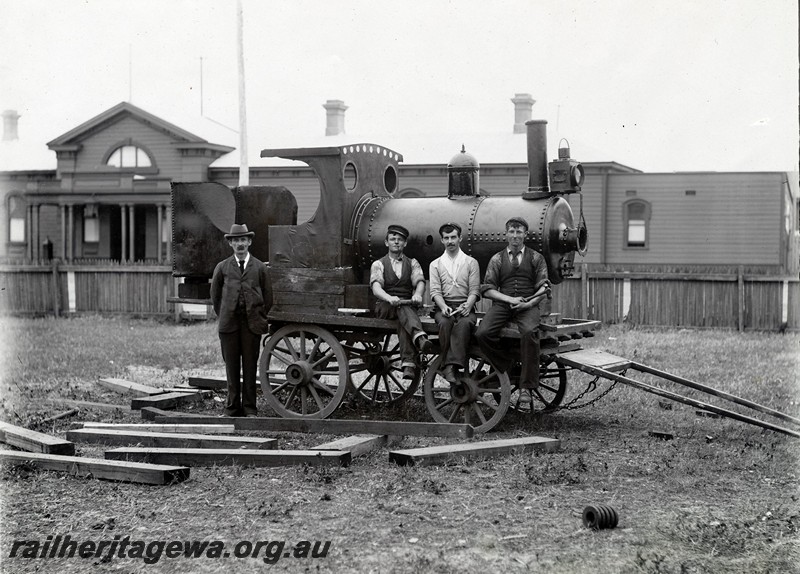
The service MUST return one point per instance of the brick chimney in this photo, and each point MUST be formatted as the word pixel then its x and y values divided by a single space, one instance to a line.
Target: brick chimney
pixel 335 123
pixel 10 118
pixel 523 110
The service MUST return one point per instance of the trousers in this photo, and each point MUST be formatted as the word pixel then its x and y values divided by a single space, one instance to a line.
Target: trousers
pixel 409 329
pixel 240 351
pixel 488 337
pixel 454 336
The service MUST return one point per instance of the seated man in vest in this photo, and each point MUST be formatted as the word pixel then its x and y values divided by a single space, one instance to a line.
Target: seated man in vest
pixel 395 278
pixel 516 282
pixel 455 287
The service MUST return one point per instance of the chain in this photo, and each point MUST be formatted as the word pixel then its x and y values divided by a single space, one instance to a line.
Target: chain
pixel 591 387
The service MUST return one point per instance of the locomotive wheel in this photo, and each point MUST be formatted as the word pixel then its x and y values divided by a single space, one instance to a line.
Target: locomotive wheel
pixel 479 398
pixel 551 391
pixel 303 372
pixel 376 372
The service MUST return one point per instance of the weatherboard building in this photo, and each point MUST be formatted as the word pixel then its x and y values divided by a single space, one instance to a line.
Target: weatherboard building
pixel 101 192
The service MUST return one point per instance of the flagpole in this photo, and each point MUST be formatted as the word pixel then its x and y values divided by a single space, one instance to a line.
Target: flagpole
pixel 244 169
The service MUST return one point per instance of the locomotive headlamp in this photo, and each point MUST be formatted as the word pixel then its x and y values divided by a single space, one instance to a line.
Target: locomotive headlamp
pixel 566 174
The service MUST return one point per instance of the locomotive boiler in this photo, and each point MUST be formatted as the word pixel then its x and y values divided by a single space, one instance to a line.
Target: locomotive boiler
pixel 554 231
pixel 358 186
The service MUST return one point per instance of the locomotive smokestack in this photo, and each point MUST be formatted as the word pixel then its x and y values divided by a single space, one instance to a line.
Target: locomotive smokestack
pixel 537 156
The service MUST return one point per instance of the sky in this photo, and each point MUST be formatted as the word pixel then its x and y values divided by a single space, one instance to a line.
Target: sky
pixel 661 85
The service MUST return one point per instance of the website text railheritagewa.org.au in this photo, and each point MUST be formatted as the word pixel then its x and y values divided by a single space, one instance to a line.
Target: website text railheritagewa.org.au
pixel 150 552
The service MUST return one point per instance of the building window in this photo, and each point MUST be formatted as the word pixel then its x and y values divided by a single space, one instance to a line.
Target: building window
pixel 129 156
pixel 16 219
pixel 636 214
pixel 16 230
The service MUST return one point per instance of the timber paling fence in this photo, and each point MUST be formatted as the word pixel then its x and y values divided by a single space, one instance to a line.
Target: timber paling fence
pixel 728 301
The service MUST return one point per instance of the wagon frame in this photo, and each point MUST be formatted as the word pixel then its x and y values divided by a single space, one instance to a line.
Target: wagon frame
pixel 311 361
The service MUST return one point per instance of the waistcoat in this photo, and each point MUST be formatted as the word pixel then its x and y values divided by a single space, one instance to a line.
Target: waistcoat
pixel 517 282
pixel 394 285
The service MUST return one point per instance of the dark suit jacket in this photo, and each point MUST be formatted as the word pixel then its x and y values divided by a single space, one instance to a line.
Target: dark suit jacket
pixel 226 284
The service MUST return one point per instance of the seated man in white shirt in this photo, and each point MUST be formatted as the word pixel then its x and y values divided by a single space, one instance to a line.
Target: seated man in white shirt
pixel 395 278
pixel 455 287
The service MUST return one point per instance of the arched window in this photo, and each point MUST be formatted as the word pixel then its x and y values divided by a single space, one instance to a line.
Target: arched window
pixel 129 156
pixel 16 219
pixel 636 214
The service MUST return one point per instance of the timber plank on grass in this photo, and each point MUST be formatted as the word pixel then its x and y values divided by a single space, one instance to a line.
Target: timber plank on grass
pixel 335 426
pixel 473 450
pixel 144 473
pixel 129 387
pixel 209 382
pixel 150 413
pixel 91 405
pixel 154 427
pixel 356 445
pixel 167 440
pixel 33 441
pixel 205 393
pixel 166 401
pixel 220 456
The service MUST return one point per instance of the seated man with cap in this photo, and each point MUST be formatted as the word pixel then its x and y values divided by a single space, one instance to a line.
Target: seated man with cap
pixel 241 296
pixel 455 287
pixel 395 278
pixel 516 282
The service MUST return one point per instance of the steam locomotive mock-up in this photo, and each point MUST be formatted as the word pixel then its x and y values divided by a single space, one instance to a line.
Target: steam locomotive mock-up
pixel 323 337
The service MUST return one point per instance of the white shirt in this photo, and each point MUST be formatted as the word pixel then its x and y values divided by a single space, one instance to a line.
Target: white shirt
pixel 246 260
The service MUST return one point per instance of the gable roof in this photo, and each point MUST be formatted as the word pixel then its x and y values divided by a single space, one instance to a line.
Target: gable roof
pixel 126 109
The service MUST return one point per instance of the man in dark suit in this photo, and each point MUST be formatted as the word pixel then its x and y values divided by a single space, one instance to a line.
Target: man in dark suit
pixel 516 282
pixel 241 295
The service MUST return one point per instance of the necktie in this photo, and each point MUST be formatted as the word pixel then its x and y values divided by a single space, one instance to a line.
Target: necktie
pixel 515 260
pixel 241 265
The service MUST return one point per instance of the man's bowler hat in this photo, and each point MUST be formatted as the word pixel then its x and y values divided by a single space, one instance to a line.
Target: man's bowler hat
pixel 399 230
pixel 239 230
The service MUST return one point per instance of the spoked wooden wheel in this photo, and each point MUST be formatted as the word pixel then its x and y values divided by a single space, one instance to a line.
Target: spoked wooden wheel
pixel 479 398
pixel 551 391
pixel 303 372
pixel 376 371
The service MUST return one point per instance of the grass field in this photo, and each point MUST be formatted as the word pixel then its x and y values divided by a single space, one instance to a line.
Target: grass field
pixel 722 496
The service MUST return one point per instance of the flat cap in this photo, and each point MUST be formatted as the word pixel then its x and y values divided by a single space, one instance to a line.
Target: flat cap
pixel 518 221
pixel 399 230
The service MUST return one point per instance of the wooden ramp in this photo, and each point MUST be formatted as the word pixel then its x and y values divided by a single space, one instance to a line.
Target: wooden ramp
pixel 616 369
pixel 144 473
pixel 599 359
pixel 473 450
